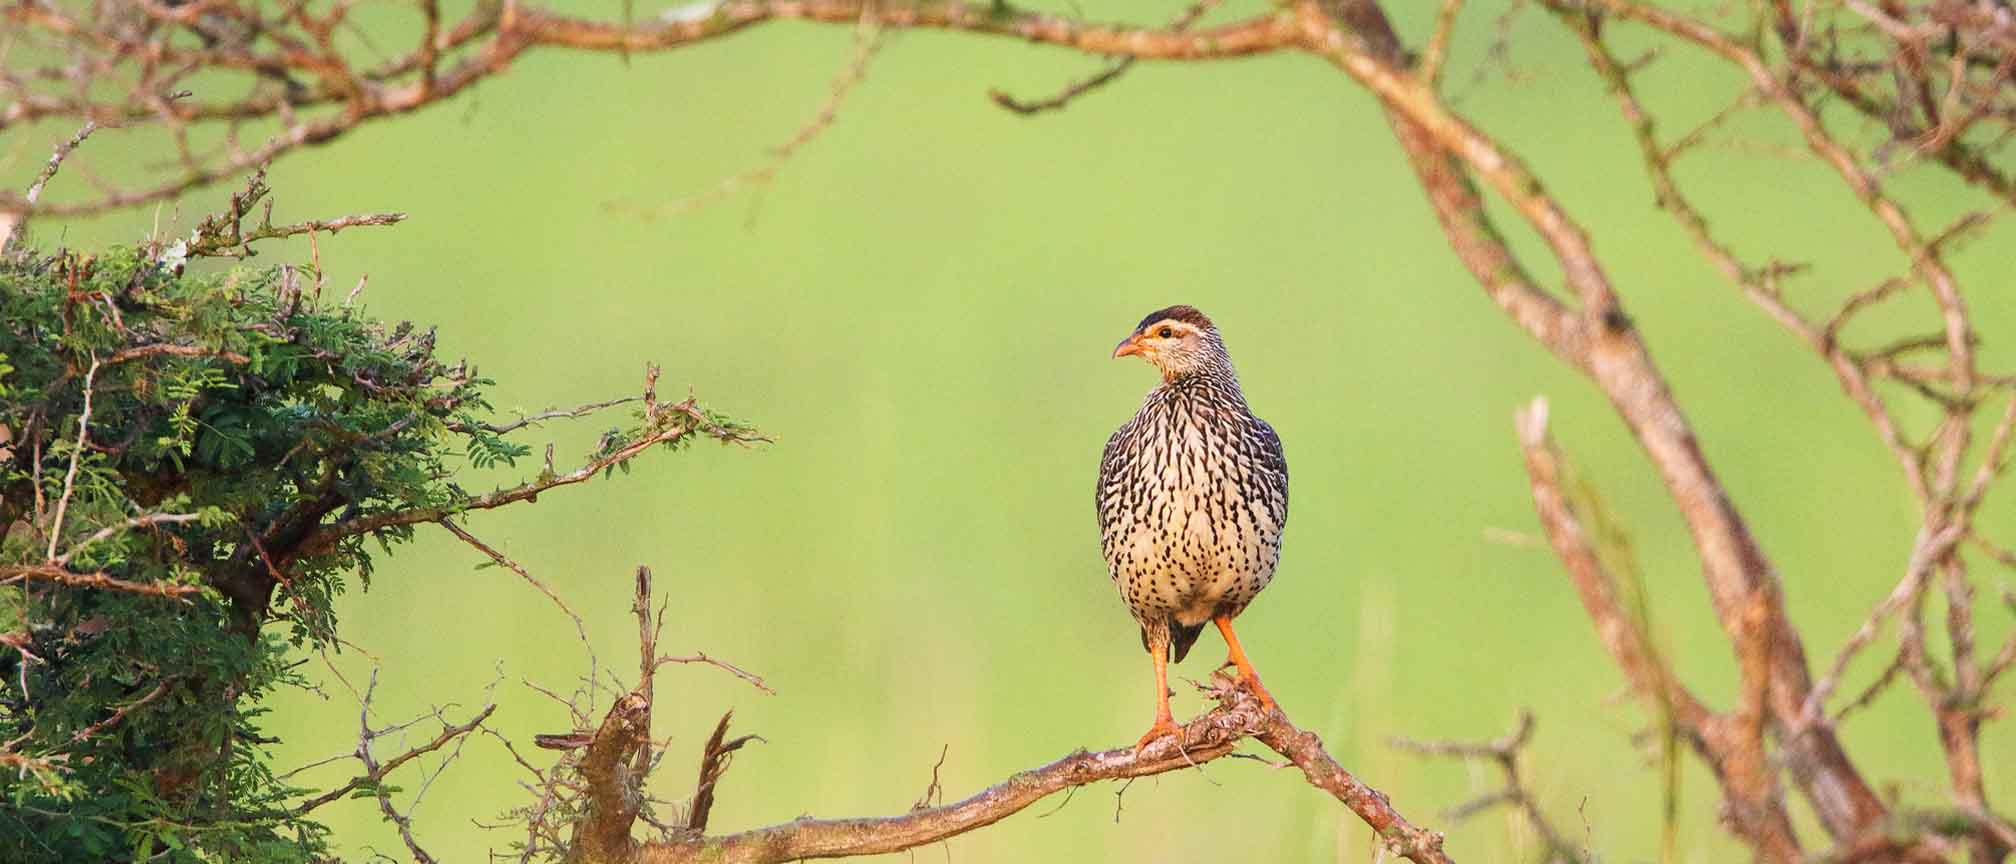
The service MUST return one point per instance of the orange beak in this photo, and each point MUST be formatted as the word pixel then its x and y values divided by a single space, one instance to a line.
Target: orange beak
pixel 1128 347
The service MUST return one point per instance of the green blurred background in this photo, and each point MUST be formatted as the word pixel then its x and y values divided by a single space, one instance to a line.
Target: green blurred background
pixel 919 310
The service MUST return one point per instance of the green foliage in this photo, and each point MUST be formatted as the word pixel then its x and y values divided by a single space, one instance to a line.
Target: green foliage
pixel 248 447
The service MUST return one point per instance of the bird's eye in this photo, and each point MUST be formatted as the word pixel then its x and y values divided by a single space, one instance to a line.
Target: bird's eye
pixel 1166 333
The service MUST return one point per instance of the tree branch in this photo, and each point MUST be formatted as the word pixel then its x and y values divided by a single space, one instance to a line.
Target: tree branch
pixel 413 81
pixel 1732 745
pixel 668 424
pixel 1599 340
pixel 1211 736
pixel 1114 69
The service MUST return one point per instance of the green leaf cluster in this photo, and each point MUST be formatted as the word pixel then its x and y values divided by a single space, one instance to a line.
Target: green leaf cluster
pixel 248 447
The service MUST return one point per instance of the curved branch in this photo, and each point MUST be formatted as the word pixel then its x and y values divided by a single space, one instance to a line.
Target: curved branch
pixel 412 82
pixel 1213 735
pixel 1255 35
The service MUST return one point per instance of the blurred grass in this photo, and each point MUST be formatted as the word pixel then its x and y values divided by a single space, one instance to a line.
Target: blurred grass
pixel 919 309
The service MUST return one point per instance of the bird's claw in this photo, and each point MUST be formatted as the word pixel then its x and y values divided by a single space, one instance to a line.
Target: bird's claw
pixel 1164 726
pixel 1267 703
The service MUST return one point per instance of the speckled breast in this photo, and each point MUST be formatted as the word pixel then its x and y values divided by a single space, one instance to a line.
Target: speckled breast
pixel 1192 500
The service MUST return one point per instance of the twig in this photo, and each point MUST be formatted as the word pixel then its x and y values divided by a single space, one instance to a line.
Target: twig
pixel 238 245
pixel 933 793
pixel 1436 54
pixel 122 711
pixel 732 669
pixel 374 775
pixel 1925 554
pixel 867 42
pixel 76 454
pixel 499 558
pixel 1114 69
pixel 12 218
pixel 125 525
pixel 671 423
pixel 144 351
pixel 550 414
pixel 13 573
pixel 63 151
pixel 714 759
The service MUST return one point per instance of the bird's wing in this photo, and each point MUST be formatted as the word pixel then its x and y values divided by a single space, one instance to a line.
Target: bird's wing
pixel 1109 473
pixel 1109 494
pixel 1273 465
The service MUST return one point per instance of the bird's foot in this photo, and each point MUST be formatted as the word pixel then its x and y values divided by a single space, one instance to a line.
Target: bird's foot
pixel 1250 680
pixel 1267 703
pixel 1164 726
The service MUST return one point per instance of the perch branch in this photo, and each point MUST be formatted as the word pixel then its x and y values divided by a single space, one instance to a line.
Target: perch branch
pixel 1211 735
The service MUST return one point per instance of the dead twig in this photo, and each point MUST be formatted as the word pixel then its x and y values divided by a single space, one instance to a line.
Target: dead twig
pixel 1114 69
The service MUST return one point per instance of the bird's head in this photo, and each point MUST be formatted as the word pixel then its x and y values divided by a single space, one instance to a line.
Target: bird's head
pixel 1178 340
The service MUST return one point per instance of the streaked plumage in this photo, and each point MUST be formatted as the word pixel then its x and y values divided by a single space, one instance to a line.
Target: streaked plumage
pixel 1192 495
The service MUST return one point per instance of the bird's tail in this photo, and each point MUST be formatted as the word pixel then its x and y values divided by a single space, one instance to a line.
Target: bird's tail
pixel 1181 638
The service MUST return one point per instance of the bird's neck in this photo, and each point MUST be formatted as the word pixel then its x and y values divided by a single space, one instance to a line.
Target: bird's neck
pixel 1214 381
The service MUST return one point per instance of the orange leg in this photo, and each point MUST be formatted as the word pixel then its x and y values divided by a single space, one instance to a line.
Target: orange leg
pixel 1236 656
pixel 1164 724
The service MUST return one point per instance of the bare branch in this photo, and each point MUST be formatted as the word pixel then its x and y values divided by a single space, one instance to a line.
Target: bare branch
pixel 754 680
pixel 487 42
pixel 1504 753
pixel 1114 69
pixel 532 419
pixel 76 455
pixel 867 42
pixel 1211 736
pixel 372 776
pixel 1436 55
pixel 515 567
pixel 1732 746
pixel 14 216
pixel 375 771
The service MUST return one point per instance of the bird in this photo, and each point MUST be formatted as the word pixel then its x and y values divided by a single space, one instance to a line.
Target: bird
pixel 1193 497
